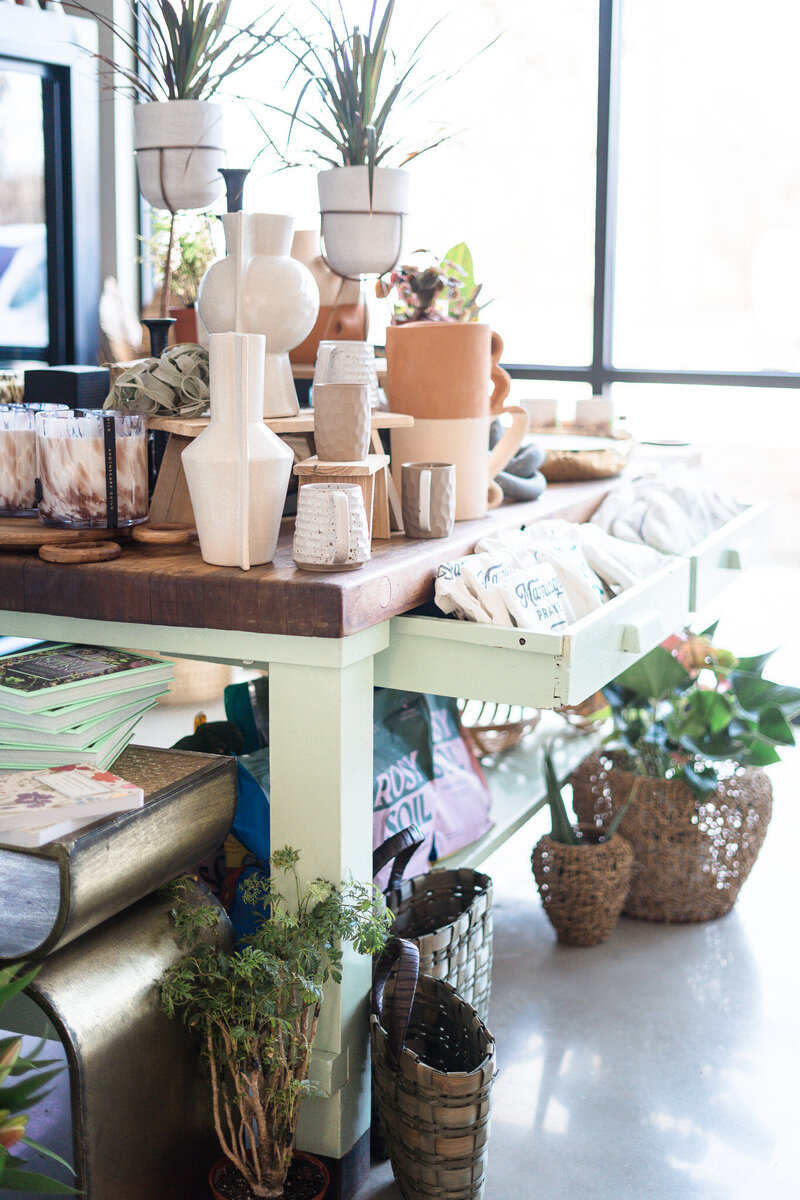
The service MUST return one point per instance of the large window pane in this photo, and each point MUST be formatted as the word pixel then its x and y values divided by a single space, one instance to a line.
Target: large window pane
pixel 23 246
pixel 517 180
pixel 708 239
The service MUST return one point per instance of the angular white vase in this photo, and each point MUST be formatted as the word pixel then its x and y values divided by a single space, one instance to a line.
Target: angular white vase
pixel 179 151
pixel 237 470
pixel 260 288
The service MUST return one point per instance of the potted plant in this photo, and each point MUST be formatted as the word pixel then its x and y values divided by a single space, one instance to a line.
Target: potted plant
pixel 441 362
pixel 182 247
pixel 354 95
pixel 698 725
pixel 185 51
pixel 582 874
pixel 255 1008
pixel 23 1084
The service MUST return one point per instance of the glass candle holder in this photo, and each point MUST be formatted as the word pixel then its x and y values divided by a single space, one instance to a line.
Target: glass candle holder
pixel 18 458
pixel 92 467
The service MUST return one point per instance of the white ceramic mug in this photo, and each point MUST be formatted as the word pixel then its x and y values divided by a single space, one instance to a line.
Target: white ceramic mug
pixel 429 499
pixel 342 421
pixel 464 442
pixel 347 362
pixel 331 531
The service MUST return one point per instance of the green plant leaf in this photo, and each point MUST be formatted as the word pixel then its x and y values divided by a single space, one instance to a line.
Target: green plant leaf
pixel 654 675
pixel 755 693
pixel 773 725
pixel 18 1179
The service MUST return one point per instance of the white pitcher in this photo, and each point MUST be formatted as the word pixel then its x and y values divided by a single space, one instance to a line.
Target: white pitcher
pixel 237 469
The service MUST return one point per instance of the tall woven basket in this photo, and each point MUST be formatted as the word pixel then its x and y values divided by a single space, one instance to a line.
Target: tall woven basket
pixel 433 1064
pixel 692 855
pixel 583 888
pixel 447 913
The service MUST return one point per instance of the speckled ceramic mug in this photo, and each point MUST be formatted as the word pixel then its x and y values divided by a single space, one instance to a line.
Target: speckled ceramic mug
pixel 429 499
pixel 331 531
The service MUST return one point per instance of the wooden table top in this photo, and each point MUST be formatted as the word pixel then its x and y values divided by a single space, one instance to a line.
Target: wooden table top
pixel 303 422
pixel 171 585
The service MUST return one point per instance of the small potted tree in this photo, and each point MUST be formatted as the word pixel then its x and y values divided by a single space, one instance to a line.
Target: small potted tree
pixel 697 725
pixel 182 247
pixel 255 1010
pixel 582 874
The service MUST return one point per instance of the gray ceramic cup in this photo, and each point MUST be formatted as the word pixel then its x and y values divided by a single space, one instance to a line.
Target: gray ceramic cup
pixel 429 499
pixel 342 421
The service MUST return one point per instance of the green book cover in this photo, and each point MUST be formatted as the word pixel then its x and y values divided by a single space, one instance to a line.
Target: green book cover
pixel 71 718
pixel 63 674
pixel 81 737
pixel 101 754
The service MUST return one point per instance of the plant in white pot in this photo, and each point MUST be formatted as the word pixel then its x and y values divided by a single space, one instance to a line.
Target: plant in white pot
pixel 354 95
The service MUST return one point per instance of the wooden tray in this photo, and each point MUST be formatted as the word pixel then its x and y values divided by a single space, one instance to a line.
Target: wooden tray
pixel 28 533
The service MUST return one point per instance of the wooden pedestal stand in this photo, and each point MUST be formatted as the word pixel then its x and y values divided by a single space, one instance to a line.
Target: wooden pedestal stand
pixel 371 475
pixel 170 502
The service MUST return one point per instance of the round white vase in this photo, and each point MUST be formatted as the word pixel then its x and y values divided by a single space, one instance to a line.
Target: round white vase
pixel 362 237
pixel 260 288
pixel 237 469
pixel 179 151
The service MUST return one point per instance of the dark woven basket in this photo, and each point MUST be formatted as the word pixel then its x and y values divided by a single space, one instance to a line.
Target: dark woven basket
pixel 583 888
pixel 449 916
pixel 433 1065
pixel 692 855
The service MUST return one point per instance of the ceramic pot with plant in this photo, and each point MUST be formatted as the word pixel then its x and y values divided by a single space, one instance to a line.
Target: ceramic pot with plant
pixel 582 874
pixel 355 95
pixel 442 364
pixel 698 725
pixel 255 1009
pixel 187 238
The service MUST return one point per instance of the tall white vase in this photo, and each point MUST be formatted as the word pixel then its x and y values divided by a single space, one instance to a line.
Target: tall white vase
pixel 260 288
pixel 237 469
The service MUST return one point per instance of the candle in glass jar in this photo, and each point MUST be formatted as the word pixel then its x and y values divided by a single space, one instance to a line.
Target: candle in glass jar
pixel 18 457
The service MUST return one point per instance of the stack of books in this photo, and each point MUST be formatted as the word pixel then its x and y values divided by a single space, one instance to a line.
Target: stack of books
pixel 66 704
pixel 38 806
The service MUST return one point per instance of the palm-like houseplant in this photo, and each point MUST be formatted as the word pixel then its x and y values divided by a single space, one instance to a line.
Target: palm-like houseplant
pixel 256 1008
pixel 23 1083
pixel 582 874
pixel 353 99
pixel 698 725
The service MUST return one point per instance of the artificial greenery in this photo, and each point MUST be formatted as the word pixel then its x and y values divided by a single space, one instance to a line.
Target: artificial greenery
pixel 188 241
pixel 23 1084
pixel 256 1007
pixel 439 290
pixel 561 828
pixel 689 709
pixel 354 91
pixel 186 48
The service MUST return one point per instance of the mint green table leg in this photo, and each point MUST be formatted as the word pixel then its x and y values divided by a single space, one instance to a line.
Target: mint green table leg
pixel 321 803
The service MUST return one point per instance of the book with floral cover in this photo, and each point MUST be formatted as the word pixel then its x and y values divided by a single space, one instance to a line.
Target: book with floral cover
pixel 63 674
pixel 30 799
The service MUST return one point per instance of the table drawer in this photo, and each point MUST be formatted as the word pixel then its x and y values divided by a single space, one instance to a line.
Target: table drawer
pixel 519 666
pixel 717 560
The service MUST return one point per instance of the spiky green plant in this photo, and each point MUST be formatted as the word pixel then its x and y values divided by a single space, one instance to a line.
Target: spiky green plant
pixel 354 91
pixel 23 1083
pixel 186 48
pixel 256 1008
pixel 562 830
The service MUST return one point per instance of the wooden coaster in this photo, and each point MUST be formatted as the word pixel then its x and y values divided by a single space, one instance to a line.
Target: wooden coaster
pixel 163 534
pixel 87 552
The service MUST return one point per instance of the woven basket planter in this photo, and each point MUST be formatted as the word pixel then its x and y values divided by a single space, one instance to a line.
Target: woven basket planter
pixel 434 1084
pixel 583 888
pixel 692 855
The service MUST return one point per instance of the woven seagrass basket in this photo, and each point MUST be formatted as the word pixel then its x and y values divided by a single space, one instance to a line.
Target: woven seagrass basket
pixel 583 888
pixel 692 855
pixel 433 1064
pixel 448 913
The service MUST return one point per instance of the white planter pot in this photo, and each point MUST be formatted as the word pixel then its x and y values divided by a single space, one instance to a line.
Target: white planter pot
pixel 361 239
pixel 179 152
pixel 277 297
pixel 237 470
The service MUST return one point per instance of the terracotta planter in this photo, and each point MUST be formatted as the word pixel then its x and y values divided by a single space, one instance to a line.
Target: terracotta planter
pixel 692 855
pixel 583 888
pixel 296 1154
pixel 438 370
pixel 179 151
pixel 185 327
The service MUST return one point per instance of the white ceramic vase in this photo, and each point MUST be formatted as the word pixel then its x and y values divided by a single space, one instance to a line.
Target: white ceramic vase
pixel 362 238
pixel 179 151
pixel 260 288
pixel 237 469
